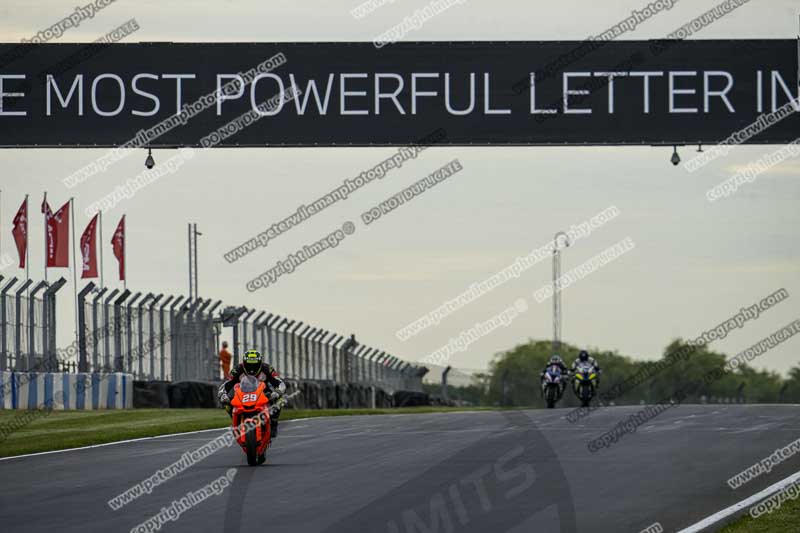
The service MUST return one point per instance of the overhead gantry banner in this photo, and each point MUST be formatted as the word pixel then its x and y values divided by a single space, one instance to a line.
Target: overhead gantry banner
pixel 354 94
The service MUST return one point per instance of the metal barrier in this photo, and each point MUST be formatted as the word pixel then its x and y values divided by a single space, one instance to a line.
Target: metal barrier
pixel 28 326
pixel 173 338
pixel 305 353
pixel 148 336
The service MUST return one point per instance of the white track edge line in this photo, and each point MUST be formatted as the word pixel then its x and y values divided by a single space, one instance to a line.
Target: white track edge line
pixel 725 513
pixel 140 439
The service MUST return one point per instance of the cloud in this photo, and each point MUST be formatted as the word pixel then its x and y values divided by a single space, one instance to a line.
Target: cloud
pixel 775 267
pixel 418 265
pixel 786 168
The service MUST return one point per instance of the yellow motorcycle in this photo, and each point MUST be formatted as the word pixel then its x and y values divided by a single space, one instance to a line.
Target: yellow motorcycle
pixel 585 383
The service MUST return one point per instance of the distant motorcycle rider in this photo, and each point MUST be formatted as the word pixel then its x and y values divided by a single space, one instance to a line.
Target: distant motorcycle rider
pixel 583 359
pixel 556 360
pixel 253 365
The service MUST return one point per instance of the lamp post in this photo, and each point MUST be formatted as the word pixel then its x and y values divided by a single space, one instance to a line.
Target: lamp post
pixel 557 289
pixel 193 286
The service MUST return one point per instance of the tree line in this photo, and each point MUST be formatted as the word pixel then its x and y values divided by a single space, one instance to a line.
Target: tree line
pixel 513 378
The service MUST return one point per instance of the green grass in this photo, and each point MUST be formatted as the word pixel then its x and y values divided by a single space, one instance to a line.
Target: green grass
pixel 58 430
pixel 782 520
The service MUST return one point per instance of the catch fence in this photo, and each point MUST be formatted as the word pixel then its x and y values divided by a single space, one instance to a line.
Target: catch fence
pixel 173 338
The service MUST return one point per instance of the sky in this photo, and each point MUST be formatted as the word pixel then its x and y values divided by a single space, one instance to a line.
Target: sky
pixel 694 264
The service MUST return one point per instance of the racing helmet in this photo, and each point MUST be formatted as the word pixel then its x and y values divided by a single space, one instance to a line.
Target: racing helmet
pixel 556 359
pixel 252 362
pixel 583 356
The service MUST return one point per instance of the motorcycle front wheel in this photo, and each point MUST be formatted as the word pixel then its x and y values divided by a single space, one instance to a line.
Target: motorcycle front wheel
pixel 251 448
pixel 551 398
pixel 586 395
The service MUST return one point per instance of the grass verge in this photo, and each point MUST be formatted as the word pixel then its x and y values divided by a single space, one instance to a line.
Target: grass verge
pixel 782 520
pixel 24 432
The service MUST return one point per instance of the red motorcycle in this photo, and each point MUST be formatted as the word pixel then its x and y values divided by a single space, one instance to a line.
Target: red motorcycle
pixel 251 419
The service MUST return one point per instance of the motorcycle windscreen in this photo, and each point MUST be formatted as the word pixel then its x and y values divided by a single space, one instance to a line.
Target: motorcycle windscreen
pixel 248 384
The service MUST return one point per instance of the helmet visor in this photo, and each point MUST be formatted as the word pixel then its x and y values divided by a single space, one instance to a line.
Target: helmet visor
pixel 252 368
pixel 252 363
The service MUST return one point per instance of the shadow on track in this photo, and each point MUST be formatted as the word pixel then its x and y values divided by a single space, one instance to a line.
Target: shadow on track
pixel 509 481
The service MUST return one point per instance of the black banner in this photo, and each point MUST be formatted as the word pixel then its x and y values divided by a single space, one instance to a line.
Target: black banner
pixel 342 94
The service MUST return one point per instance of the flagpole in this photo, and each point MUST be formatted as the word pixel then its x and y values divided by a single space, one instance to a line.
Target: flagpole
pixel 100 222
pixel 27 245
pixel 74 267
pixel 125 253
pixel 46 209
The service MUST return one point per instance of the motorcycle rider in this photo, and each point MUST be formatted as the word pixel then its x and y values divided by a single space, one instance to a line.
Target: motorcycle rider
pixel 253 365
pixel 556 360
pixel 584 358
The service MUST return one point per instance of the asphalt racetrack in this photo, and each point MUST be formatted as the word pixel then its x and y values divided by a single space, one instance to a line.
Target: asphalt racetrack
pixel 511 471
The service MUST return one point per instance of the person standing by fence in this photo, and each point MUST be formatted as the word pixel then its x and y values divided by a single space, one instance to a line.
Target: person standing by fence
pixel 225 360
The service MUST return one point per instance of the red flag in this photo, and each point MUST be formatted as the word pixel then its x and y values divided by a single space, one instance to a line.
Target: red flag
pixel 57 227
pixel 89 250
pixel 20 231
pixel 118 242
